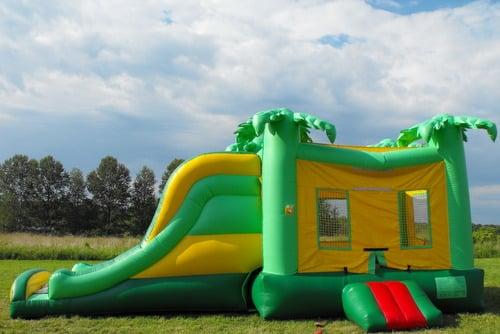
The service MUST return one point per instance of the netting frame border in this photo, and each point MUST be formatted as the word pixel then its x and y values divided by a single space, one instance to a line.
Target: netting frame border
pixel 401 215
pixel 348 206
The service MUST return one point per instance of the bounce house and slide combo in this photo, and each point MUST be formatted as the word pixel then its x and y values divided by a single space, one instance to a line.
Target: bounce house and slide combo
pixel 294 229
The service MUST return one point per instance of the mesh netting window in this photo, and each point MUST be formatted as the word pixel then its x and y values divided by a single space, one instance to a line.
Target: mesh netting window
pixel 334 230
pixel 414 219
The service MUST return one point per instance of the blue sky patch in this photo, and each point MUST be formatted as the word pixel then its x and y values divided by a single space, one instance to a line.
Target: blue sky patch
pixel 408 7
pixel 167 17
pixel 337 41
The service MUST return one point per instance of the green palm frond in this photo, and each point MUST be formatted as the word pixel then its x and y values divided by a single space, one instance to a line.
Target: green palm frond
pixel 249 135
pixel 424 131
pixel 307 121
pixel 388 142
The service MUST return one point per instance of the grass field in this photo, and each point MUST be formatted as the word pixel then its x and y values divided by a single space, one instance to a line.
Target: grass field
pixel 20 246
pixel 488 322
pixel 27 246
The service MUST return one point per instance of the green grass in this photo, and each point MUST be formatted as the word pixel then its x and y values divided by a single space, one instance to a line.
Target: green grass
pixel 24 246
pixel 487 249
pixel 488 322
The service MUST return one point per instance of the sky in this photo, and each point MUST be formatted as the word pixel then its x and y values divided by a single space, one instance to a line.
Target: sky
pixel 149 81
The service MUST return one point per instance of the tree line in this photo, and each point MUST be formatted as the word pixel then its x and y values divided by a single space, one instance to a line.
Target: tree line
pixel 41 196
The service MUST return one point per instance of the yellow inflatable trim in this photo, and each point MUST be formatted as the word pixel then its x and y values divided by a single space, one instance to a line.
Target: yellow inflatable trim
pixel 414 193
pixel 36 282
pixel 196 169
pixel 209 254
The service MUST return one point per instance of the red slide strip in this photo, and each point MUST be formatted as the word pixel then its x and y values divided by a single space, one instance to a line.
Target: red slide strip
pixel 388 306
pixel 411 312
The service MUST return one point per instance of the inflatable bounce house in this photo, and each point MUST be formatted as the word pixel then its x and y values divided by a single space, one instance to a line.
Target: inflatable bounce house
pixel 295 229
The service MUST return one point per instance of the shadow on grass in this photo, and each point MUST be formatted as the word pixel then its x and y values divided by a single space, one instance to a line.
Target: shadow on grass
pixel 195 315
pixel 167 314
pixel 228 318
pixel 491 305
pixel 450 321
pixel 492 299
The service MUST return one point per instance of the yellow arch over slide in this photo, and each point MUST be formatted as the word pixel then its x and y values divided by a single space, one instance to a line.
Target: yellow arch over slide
pixel 194 170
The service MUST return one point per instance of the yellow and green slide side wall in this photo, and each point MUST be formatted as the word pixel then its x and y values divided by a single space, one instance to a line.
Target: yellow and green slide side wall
pixel 204 241
pixel 295 269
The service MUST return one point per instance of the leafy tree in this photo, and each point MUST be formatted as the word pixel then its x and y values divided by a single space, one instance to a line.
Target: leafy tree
pixel 109 185
pixel 168 172
pixel 485 234
pixel 79 208
pixel 143 199
pixel 18 193
pixel 77 187
pixel 52 187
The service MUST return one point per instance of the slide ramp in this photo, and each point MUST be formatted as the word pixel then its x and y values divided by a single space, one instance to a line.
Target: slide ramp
pixel 389 306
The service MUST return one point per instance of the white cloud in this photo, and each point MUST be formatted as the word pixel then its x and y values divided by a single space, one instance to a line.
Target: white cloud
pixel 57 92
pixel 220 58
pixel 213 63
pixel 486 190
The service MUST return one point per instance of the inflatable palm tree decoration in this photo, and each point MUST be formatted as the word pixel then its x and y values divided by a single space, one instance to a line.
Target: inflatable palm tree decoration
pixel 424 131
pixel 249 135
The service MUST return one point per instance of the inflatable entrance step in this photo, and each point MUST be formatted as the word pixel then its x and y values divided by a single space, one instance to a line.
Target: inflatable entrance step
pixel 391 305
pixel 28 283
